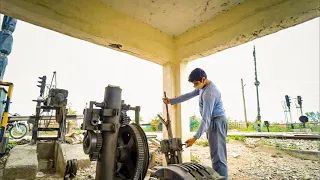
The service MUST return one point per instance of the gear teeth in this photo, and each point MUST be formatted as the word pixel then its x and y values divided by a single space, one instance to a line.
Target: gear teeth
pixel 99 141
pixel 143 152
pixel 92 149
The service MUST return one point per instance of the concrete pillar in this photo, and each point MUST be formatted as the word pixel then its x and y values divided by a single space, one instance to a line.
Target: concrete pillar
pixel 1 19
pixel 175 79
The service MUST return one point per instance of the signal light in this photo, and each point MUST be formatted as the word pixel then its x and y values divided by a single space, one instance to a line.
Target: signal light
pixel 288 101
pixel 42 85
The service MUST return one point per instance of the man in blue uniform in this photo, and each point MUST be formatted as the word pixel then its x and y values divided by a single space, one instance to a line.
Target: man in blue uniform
pixel 214 121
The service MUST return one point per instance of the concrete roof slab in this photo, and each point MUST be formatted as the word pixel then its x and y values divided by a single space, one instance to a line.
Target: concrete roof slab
pixel 164 31
pixel 173 17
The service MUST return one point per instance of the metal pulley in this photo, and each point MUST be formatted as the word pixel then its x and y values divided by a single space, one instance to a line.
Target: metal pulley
pixel 92 143
pixel 71 169
pixel 132 153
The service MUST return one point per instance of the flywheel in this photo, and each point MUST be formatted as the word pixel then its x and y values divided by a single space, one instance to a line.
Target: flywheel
pixel 132 153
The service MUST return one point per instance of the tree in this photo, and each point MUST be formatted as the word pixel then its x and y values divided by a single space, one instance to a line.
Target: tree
pixel 194 123
pixel 313 116
pixel 71 111
pixel 155 122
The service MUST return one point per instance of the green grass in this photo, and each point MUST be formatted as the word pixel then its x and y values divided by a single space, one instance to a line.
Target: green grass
pixel 250 129
pixel 195 158
pixel 282 146
pixel 264 128
pixel 266 143
pixel 277 129
pixel 236 137
pixel 278 145
pixel 10 145
pixel 314 128
pixel 202 142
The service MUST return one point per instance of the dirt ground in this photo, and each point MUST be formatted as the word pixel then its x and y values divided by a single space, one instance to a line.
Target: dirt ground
pixel 250 162
pixel 262 163
pixel 244 162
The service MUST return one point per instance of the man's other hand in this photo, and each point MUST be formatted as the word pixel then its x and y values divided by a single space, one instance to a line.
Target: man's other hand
pixel 190 141
pixel 166 100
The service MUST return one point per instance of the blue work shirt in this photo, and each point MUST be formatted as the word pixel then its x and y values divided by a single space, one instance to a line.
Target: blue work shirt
pixel 210 105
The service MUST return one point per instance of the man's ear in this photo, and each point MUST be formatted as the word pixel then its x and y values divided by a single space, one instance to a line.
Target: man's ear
pixel 203 80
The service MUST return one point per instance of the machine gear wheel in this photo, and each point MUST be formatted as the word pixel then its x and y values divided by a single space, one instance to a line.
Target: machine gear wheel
pixel 71 169
pixel 92 143
pixel 132 153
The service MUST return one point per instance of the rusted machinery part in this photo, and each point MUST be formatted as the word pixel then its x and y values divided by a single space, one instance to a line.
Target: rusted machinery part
pixel 71 169
pixel 124 118
pixel 132 153
pixel 186 171
pixel 92 143
pixel 61 114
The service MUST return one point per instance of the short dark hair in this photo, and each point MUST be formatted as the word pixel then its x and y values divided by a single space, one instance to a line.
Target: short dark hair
pixel 197 74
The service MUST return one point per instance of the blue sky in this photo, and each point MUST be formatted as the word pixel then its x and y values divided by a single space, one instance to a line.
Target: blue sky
pixel 288 63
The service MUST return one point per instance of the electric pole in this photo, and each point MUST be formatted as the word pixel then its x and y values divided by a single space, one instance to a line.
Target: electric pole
pixel 257 83
pixel 244 103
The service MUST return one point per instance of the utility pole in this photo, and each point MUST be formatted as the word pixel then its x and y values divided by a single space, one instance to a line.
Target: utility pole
pixel 257 83
pixel 244 103
pixel 285 110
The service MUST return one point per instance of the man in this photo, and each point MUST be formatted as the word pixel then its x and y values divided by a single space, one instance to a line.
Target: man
pixel 214 121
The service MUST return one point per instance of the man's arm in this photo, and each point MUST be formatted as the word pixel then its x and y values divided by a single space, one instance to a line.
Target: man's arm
pixel 208 104
pixel 184 97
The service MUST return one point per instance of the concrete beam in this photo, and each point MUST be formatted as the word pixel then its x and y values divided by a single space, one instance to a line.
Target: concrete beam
pixel 245 22
pixel 96 22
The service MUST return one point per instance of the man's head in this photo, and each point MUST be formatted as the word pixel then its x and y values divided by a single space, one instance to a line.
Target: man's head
pixel 198 77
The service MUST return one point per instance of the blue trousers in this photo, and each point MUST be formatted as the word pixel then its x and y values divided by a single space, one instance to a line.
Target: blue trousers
pixel 217 135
